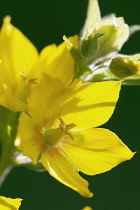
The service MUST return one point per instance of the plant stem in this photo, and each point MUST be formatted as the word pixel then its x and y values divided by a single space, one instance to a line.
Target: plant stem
pixel 8 130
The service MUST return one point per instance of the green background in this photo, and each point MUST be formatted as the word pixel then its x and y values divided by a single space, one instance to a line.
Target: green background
pixel 45 22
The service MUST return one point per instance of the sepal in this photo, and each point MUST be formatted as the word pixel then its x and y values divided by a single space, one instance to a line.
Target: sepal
pixel 82 67
pixel 89 44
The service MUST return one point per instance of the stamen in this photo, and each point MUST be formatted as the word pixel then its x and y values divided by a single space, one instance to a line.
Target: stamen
pixel 62 127
pixel 33 81
pixel 70 134
pixel 65 128
pixel 70 126
pixel 61 121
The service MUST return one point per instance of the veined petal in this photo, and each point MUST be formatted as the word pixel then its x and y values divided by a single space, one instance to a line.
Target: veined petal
pixel 9 101
pixel 28 138
pixel 17 54
pixel 61 169
pixel 57 61
pixel 46 98
pixel 91 105
pixel 9 203
pixel 94 151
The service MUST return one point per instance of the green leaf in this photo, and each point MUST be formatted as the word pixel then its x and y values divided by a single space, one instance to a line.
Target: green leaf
pixel 78 58
pixel 93 16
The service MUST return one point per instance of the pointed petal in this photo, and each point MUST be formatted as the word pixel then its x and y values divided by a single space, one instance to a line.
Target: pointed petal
pixel 48 51
pixel 61 169
pixel 46 99
pixel 91 105
pixel 94 151
pixel 9 101
pixel 57 61
pixel 93 16
pixel 28 138
pixel 17 54
pixel 9 203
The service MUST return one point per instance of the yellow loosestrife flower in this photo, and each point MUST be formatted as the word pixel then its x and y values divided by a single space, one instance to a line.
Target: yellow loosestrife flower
pixel 58 129
pixel 20 65
pixel 9 203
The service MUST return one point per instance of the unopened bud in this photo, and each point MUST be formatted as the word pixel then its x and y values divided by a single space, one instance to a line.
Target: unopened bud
pixel 124 66
pixel 90 44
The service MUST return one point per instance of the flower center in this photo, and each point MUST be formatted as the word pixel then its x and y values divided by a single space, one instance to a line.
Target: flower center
pixel 52 136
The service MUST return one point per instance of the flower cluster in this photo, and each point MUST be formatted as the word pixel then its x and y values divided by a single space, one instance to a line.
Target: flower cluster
pixel 52 103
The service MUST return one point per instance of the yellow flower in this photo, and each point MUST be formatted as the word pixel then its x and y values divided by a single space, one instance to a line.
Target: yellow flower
pixel 20 65
pixel 9 203
pixel 58 129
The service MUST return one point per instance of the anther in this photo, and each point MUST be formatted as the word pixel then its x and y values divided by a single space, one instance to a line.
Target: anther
pixel 70 134
pixel 33 81
pixel 61 121
pixel 65 128
pixel 70 126
pixel 62 127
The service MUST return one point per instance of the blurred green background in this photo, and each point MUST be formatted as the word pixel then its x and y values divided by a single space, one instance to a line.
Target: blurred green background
pixel 45 22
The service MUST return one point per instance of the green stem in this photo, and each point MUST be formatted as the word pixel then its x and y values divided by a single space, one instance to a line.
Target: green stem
pixel 8 130
pixel 4 171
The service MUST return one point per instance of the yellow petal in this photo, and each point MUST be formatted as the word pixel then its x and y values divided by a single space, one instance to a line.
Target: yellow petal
pixel 9 203
pixel 91 105
pixel 61 64
pixel 9 101
pixel 61 169
pixel 57 61
pixel 28 138
pixel 50 99
pixel 17 54
pixel 46 99
pixel 94 151
pixel 48 51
